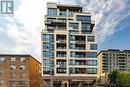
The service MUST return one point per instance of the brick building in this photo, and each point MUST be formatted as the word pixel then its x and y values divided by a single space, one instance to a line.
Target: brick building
pixel 19 71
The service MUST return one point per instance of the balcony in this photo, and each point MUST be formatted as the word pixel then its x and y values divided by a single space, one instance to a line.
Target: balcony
pixel 84 33
pixel 71 28
pixel 61 54
pixel 61 38
pixel 49 27
pixel 60 21
pixel 77 62
pixel 61 63
pixel 61 46
pixel 77 55
pixel 61 70
pixel 77 70
pixel 122 68
pixel 54 21
pixel 61 27
pixel 121 58
pixel 78 39
pixel 121 61
pixel 62 66
pixel 54 27
pixel 80 56
pixel 77 48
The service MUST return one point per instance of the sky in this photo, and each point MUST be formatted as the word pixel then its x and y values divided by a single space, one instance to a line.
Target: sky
pixel 21 33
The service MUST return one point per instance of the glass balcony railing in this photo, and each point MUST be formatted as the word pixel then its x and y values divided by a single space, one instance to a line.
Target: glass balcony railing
pixel 49 27
pixel 81 33
pixel 78 48
pixel 61 47
pixel 62 65
pixel 80 41
pixel 55 20
pixel 59 21
pixel 61 55
pixel 62 40
pixel 78 56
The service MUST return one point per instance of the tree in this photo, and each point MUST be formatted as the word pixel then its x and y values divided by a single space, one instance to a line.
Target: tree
pixel 113 76
pixel 123 78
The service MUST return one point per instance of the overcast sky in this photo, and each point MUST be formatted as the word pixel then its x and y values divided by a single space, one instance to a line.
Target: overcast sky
pixel 21 33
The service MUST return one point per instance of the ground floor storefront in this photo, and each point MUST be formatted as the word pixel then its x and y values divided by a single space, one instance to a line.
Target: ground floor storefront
pixel 68 81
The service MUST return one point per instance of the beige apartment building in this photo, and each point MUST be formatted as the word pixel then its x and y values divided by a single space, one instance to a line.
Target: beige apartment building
pixel 69 47
pixel 113 59
pixel 19 71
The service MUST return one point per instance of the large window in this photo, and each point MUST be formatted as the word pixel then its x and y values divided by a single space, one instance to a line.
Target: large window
pixel 61 27
pixel 72 37
pixel 93 46
pixel 52 11
pixel 92 62
pixel 46 62
pixel 77 54
pixel 90 38
pixel 72 46
pixel 48 37
pixel 61 20
pixel 83 18
pixel 46 70
pixel 61 63
pixel 77 62
pixel 91 54
pixel 92 71
pixel 72 62
pixel 63 12
pixel 85 26
pixel 72 54
pixel 72 11
pixel 74 25
pixel 61 54
pixel 48 46
pixel 77 70
pixel 48 54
